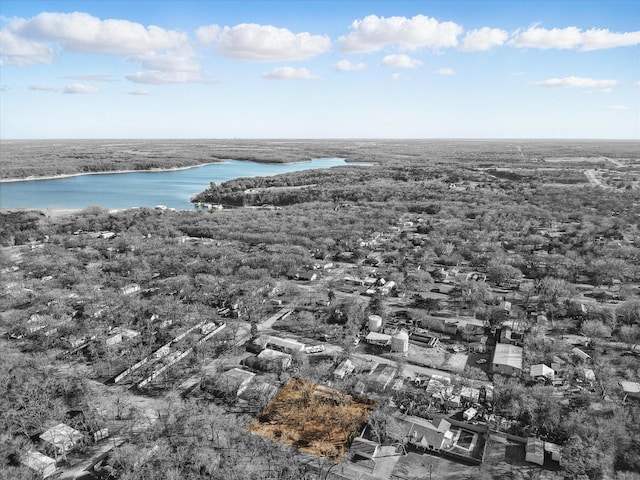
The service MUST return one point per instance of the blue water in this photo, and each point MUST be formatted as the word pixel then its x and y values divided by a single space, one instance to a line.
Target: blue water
pixel 140 189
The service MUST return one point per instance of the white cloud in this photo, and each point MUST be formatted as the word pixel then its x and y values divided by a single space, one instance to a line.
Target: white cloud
pixel 483 39
pixel 373 33
pixel 80 88
pixel 152 47
pixel 445 71
pixel 289 72
pixel 573 38
pixel 396 77
pixel 43 88
pixel 139 92
pixel 637 83
pixel 347 66
pixel 250 41
pixel 209 33
pixel 81 32
pixel 400 61
pixel 92 78
pixel 169 61
pixel 577 82
pixel 618 107
pixel 164 78
pixel 15 50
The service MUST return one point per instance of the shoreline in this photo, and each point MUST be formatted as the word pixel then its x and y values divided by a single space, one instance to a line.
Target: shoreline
pixel 114 172
pixel 157 170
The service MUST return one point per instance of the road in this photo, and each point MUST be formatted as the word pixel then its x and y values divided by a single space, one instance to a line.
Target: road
pixel 591 176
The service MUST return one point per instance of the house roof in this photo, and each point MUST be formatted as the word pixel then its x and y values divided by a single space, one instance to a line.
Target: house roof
pixel 61 434
pixel 269 354
pixel 237 375
pixel 286 343
pixel 425 433
pixel 509 355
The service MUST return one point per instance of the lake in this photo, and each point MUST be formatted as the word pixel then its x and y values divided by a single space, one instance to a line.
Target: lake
pixel 140 189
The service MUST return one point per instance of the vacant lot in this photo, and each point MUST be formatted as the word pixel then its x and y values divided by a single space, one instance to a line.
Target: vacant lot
pixel 313 418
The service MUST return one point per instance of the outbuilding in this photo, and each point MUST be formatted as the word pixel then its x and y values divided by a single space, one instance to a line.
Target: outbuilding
pixel 39 463
pixel 534 451
pixel 507 359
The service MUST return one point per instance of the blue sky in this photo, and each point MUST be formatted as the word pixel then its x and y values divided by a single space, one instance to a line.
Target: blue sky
pixel 323 69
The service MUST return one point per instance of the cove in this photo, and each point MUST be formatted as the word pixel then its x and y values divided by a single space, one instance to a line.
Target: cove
pixel 171 188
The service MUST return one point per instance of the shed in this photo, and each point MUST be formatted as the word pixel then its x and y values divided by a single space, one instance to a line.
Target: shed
pixel 541 371
pixel 534 451
pixel 344 368
pixel 554 450
pixel 380 339
pixel 469 413
pixel 39 463
pixel 580 354
pixel 364 448
pixel 630 389
pixel 236 380
pixel 589 375
pixel 61 438
pixel 283 359
pixel 507 359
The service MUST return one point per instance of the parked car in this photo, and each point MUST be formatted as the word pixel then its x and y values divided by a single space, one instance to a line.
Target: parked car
pixel 481 361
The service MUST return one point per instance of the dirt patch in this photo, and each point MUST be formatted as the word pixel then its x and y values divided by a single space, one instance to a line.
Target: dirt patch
pixel 314 418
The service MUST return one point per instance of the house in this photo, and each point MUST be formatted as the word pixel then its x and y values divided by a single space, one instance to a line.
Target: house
pixel 383 379
pixel 236 380
pixel 274 360
pixel 39 463
pixel 306 276
pixel 507 359
pixel 425 435
pixel 286 345
pixel 345 368
pixel 534 451
pixel 541 372
pixel 61 438
pixel 470 394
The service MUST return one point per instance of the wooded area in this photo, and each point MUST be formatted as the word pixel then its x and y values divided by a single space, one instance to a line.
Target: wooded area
pixel 422 215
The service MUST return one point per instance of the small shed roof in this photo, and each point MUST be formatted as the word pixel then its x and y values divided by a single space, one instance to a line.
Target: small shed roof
pixel 365 448
pixel 39 462
pixel 630 388
pixel 541 370
pixel 381 338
